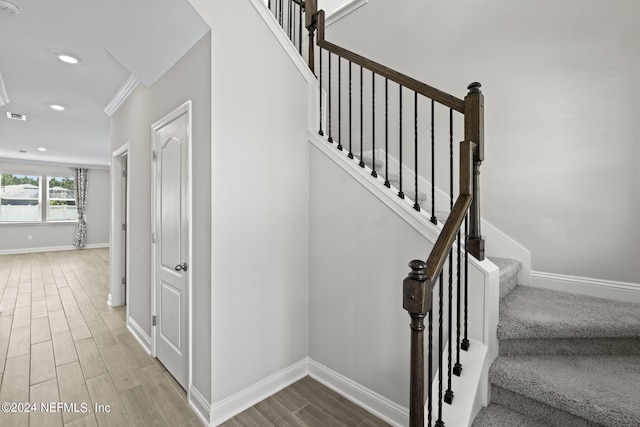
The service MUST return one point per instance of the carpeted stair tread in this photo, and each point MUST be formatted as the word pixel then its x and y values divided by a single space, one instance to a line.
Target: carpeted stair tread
pixel 509 269
pixel 601 389
pixel 528 312
pixel 499 416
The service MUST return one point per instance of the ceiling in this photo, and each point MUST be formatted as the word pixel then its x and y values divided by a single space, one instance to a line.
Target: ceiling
pixel 117 43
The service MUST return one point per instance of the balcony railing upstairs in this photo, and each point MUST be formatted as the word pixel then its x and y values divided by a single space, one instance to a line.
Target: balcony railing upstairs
pixel 394 125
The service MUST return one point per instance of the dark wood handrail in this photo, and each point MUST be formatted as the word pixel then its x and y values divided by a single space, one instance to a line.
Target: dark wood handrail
pixel 437 95
pixel 418 286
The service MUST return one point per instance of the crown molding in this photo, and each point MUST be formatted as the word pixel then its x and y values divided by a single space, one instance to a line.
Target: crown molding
pixel 121 95
pixel 4 99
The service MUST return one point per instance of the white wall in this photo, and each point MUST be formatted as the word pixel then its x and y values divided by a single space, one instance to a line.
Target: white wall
pixel 14 237
pixel 188 79
pixel 559 79
pixel 260 200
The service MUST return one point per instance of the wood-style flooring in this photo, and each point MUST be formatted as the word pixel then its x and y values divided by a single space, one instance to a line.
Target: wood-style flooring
pixel 60 343
pixel 306 403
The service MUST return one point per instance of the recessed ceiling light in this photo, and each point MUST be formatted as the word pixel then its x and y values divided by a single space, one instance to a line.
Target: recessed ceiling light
pixel 42 149
pixel 68 59
pixel 56 107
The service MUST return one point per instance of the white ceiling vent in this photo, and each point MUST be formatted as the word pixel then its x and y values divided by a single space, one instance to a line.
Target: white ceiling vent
pixel 16 116
pixel 8 7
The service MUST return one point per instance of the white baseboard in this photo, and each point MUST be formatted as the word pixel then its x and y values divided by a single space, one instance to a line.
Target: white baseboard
pixel 52 249
pixel 199 404
pixel 222 410
pixel 139 334
pixel 369 400
pixel 609 289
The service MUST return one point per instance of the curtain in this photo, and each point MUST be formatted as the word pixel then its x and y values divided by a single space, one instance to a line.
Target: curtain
pixel 82 178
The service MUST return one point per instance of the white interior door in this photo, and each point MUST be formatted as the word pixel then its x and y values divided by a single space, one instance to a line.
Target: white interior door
pixel 171 226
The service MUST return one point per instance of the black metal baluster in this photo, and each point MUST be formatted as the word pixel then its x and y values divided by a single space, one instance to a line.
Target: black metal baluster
pixel 361 123
pixel 439 422
pixel 465 342
pixel 416 204
pixel 430 368
pixel 350 155
pixel 329 107
pixel 400 193
pixel 386 133
pixel 300 30
pixel 320 132
pixel 433 164
pixel 290 11
pixel 339 103
pixel 449 393
pixel 457 368
pixel 373 124
pixel 269 4
pixel 280 13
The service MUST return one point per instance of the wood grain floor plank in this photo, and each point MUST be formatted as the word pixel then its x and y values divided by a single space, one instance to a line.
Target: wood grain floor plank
pixel 313 416
pixel 15 381
pixel 277 414
pixel 173 409
pixel 5 336
pixel 290 399
pixel 20 341
pixel 342 402
pixel 347 415
pixel 90 358
pixel 132 349
pixel 88 421
pixel 58 321
pixel 45 393
pixel 77 394
pixel 40 331
pixel 22 317
pixel 77 326
pixel 120 370
pixel 101 334
pixel 69 375
pixel 141 408
pixel 38 309
pixel 43 366
pixel 103 393
pixel 64 348
pixel 53 303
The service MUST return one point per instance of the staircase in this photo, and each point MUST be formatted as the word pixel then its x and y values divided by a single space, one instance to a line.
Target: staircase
pixel 565 360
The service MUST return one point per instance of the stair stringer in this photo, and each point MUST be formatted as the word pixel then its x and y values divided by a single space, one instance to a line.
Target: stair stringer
pixel 484 288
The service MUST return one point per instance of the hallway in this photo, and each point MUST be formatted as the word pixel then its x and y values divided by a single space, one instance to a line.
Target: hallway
pixel 61 343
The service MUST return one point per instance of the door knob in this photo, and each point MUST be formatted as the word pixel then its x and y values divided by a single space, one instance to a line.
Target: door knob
pixel 181 267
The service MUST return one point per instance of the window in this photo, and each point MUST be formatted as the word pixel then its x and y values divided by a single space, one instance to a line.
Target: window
pixel 62 199
pixel 24 198
pixel 20 197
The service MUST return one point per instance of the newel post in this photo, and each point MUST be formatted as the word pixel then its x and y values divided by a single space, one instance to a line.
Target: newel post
pixel 311 22
pixel 417 301
pixel 474 132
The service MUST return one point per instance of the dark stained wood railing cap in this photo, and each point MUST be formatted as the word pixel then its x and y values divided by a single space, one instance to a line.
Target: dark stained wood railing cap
pixel 474 87
pixel 418 270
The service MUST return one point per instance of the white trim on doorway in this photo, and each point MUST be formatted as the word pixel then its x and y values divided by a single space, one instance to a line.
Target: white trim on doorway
pixel 184 108
pixel 116 297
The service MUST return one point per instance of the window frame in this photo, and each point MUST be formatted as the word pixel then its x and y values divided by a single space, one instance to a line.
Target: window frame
pixel 45 214
pixel 43 200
